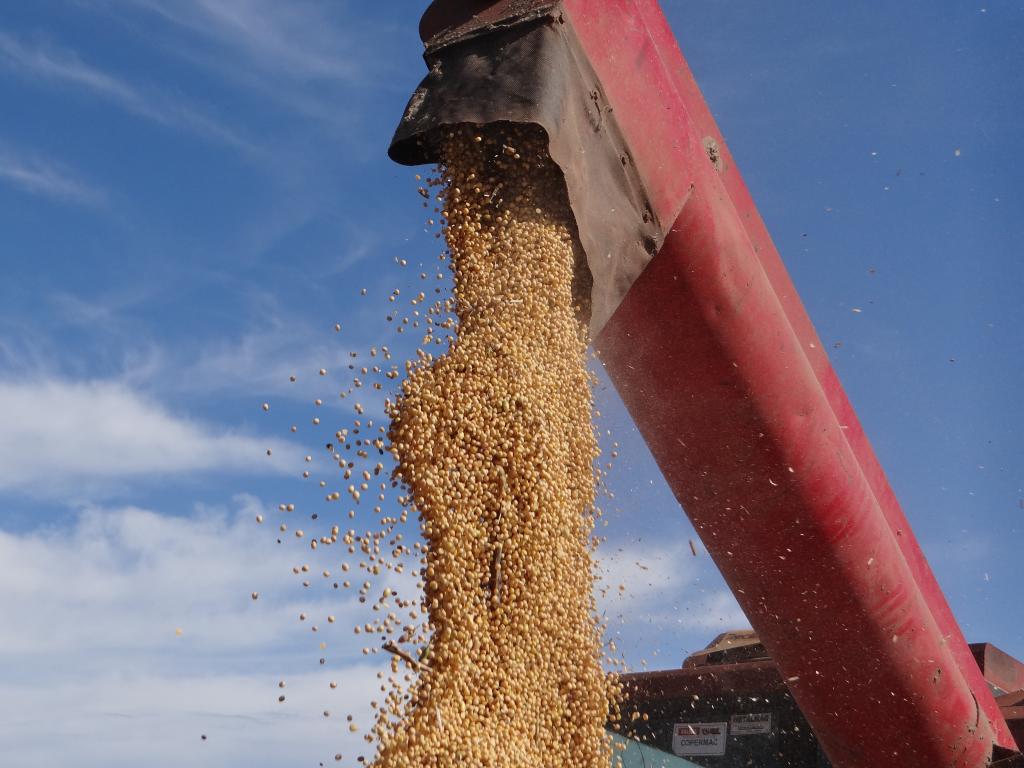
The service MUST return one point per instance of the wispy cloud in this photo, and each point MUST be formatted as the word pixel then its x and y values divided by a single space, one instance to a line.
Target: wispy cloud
pixel 47 179
pixel 60 65
pixel 60 434
pixel 256 362
pixel 276 344
pixel 660 600
pixel 296 39
pixel 111 341
pixel 310 58
pixel 96 674
pixel 263 361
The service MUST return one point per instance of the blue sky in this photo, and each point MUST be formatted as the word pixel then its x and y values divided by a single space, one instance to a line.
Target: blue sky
pixel 192 194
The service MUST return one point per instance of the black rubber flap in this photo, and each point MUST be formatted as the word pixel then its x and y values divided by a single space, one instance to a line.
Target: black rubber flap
pixel 536 72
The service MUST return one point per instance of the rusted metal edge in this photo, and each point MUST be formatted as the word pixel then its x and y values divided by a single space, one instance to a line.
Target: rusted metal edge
pixel 453 21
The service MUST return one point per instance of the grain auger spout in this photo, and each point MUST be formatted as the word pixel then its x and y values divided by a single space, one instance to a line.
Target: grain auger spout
pixel 706 340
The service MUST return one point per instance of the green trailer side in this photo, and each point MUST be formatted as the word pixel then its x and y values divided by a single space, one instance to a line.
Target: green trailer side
pixel 637 755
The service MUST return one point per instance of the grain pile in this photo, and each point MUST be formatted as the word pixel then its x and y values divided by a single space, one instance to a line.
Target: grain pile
pixel 495 447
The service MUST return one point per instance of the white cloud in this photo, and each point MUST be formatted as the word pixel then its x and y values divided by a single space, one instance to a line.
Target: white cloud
pixel 127 578
pixel 125 720
pixel 673 603
pixel 60 434
pixel 45 178
pixel 95 674
pixel 114 580
pixel 65 66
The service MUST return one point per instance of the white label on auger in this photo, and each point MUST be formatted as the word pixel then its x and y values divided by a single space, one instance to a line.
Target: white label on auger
pixel 748 725
pixel 699 738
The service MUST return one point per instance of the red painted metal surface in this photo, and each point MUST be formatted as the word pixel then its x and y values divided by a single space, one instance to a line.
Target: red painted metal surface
pixel 1012 707
pixel 998 667
pixel 1015 722
pixel 639 57
pixel 733 676
pixel 720 366
pixel 704 125
pixel 751 678
pixel 713 375
pixel 668 133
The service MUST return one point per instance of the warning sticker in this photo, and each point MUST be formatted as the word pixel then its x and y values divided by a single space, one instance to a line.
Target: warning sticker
pixel 748 725
pixel 699 738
